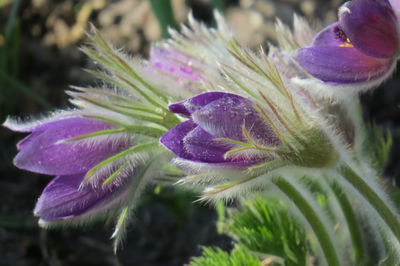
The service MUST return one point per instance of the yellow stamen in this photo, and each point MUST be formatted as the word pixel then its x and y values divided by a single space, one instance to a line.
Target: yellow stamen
pixel 346 44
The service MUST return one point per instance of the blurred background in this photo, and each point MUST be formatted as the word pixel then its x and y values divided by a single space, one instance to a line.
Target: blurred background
pixel 40 58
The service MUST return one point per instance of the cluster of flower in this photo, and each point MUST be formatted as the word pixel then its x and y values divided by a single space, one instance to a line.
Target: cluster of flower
pixel 240 119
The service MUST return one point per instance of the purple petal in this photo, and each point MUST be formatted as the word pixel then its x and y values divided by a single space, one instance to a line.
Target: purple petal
pixel 63 199
pixel 176 65
pixel 216 115
pixel 395 5
pixel 41 152
pixel 203 147
pixel 341 64
pixel 224 118
pixel 187 107
pixel 25 141
pixel 173 139
pixel 371 26
pixel 332 35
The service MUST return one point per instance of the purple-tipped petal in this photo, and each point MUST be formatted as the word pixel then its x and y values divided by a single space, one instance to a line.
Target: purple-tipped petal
pixel 224 117
pixel 173 139
pixel 342 64
pixel 202 146
pixel 217 115
pixel 371 26
pixel 63 199
pixel 28 139
pixel 44 152
pixel 187 107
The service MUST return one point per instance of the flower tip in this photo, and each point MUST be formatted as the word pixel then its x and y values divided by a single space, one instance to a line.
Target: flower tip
pixel 344 9
pixel 43 223
pixel 12 124
pixel 6 122
pixel 179 108
pixel 114 234
pixel 46 224
pixel 20 162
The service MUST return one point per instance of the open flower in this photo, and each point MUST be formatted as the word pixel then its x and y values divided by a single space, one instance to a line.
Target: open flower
pixel 53 148
pixel 213 116
pixel 360 50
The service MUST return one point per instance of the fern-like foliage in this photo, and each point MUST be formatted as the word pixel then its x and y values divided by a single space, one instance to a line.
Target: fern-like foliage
pixel 263 226
pixel 216 257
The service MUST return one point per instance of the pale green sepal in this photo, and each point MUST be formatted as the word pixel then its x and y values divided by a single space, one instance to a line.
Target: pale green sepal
pixel 138 148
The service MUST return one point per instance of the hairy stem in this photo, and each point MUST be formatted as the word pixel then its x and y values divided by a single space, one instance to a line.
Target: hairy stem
pixel 312 218
pixel 389 217
pixel 351 220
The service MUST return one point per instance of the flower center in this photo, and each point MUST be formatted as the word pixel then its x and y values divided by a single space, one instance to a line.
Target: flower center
pixel 339 33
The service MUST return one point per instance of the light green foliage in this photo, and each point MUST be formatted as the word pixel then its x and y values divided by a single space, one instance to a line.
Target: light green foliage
pixel 265 226
pixel 239 256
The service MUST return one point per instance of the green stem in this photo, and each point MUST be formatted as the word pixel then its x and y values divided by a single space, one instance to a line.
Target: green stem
pixel 387 215
pixel 219 5
pixel 355 232
pixel 12 17
pixel 162 9
pixel 313 219
pixel 24 89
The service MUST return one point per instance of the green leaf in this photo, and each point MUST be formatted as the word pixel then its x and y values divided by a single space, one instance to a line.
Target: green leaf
pixel 265 226
pixel 144 147
pixel 239 256
pixel 162 9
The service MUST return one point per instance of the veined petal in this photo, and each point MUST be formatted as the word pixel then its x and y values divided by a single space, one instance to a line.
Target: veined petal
pixel 187 107
pixel 28 139
pixel 43 152
pixel 173 139
pixel 342 64
pixel 371 26
pixel 64 199
pixel 202 146
pixel 224 118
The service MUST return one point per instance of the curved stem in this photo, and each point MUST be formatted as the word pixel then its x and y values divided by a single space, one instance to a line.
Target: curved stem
pixel 387 214
pixel 349 215
pixel 313 219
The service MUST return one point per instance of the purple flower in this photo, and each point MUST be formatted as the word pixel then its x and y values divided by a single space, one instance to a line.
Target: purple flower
pixel 361 48
pixel 50 149
pixel 176 66
pixel 215 115
pixel 396 6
